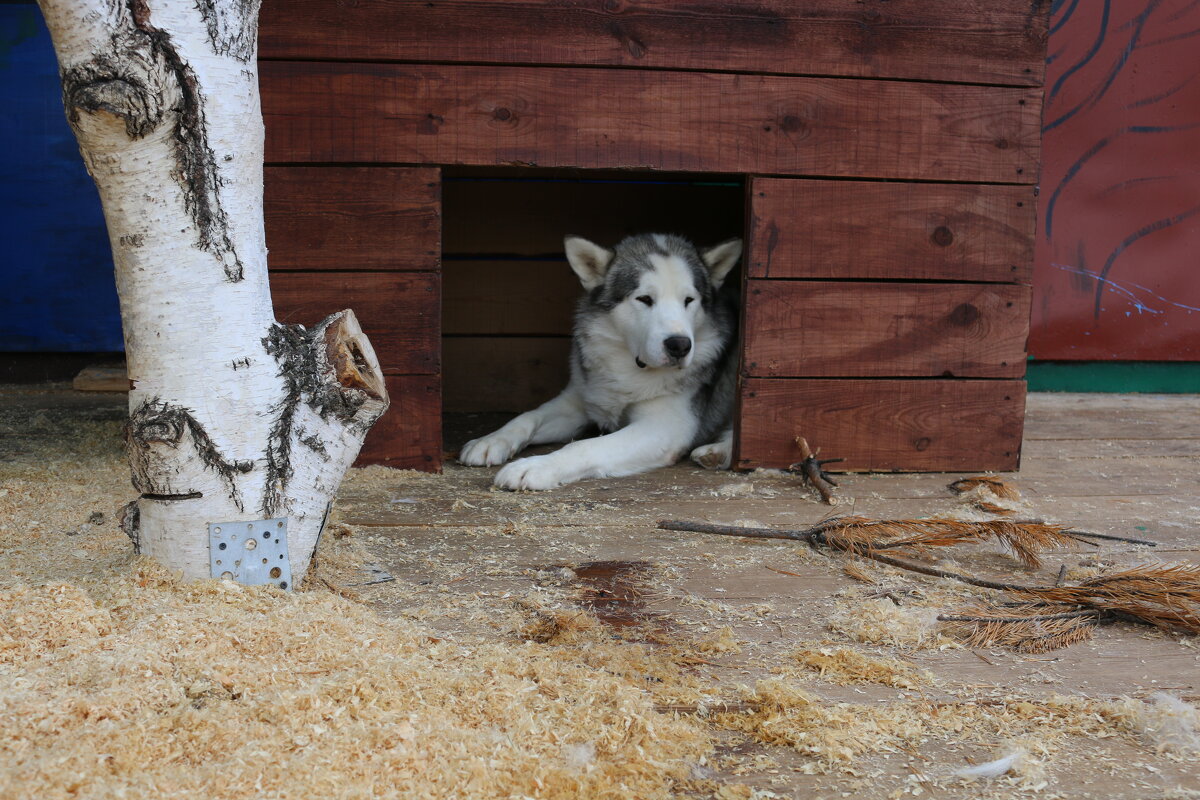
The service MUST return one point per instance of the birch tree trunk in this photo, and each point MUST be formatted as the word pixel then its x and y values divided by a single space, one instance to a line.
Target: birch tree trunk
pixel 233 417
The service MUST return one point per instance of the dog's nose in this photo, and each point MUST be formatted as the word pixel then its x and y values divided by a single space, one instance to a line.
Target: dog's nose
pixel 677 346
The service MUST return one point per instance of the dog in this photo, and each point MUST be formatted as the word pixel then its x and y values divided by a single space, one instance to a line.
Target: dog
pixel 653 366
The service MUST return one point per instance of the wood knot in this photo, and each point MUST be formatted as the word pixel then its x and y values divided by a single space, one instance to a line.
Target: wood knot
pixel 431 123
pixel 942 236
pixel 613 6
pixel 965 314
pixel 1001 144
pixel 792 124
pixel 502 114
pixel 922 444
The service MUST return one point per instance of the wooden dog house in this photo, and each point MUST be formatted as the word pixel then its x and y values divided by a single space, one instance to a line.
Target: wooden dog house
pixel 881 157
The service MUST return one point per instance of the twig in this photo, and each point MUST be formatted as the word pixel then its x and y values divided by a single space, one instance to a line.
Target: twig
pixel 715 708
pixel 1091 612
pixel 810 468
pixel 1110 538
pixel 941 573
pixel 736 530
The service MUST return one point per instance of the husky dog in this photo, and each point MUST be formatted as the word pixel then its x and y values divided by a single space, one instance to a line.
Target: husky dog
pixel 653 365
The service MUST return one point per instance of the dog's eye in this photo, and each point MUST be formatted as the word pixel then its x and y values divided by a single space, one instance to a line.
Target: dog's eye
pixel 687 301
pixel 645 300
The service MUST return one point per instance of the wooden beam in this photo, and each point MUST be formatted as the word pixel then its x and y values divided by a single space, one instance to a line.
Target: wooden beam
pixel 353 218
pixel 1001 42
pixel 880 425
pixel 655 120
pixel 398 310
pixel 925 231
pixel 859 329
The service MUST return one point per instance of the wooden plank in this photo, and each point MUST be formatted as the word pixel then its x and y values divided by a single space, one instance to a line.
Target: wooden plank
pixel 352 218
pixel 96 378
pixel 928 231
pixel 498 373
pixel 409 434
pixel 1114 416
pixel 681 121
pixel 957 40
pixel 530 217
pixel 508 297
pixel 907 425
pixel 851 329
pixel 398 310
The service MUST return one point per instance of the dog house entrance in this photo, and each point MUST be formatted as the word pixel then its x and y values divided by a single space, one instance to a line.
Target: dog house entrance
pixel 507 292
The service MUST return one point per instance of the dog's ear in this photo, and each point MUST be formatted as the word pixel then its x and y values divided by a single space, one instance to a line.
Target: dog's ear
pixel 589 260
pixel 720 259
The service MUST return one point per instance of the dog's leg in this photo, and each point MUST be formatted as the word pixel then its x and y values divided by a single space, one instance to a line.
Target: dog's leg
pixel 556 420
pixel 718 455
pixel 658 434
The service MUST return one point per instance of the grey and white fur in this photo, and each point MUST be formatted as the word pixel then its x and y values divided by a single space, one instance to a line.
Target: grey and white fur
pixel 653 365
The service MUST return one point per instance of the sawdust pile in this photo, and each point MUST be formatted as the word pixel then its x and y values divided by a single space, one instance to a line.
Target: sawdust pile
pixel 878 620
pixel 143 684
pixel 844 666
pixel 116 680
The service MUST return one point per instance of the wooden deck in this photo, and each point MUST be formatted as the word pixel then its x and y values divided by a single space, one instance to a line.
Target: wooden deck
pixel 1124 465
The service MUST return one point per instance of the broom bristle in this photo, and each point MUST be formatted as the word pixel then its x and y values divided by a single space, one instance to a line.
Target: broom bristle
pixel 1031 628
pixel 997 486
pixel 1025 539
pixel 1166 595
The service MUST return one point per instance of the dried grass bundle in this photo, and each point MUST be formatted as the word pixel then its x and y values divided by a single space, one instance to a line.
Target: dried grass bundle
pixel 997 486
pixel 1164 595
pixel 1027 627
pixel 1026 539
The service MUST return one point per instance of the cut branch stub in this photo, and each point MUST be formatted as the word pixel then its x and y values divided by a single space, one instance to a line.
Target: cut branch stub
pixel 348 350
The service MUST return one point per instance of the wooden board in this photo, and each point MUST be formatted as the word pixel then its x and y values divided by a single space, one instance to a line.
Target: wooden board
pixel 530 217
pixel 398 311
pixel 433 114
pixel 530 298
pixel 409 434
pixel 926 231
pixel 856 329
pixel 97 378
pixel 352 218
pixel 498 373
pixel 907 425
pixel 957 40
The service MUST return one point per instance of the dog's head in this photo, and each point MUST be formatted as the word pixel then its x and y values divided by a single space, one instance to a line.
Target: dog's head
pixel 657 289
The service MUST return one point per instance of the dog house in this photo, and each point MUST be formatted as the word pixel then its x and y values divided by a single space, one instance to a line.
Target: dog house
pixel 879 157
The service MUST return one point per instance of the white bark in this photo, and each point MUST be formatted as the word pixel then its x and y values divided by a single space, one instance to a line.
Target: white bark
pixel 232 416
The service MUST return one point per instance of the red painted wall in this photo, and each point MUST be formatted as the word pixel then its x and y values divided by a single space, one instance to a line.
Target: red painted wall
pixel 1118 256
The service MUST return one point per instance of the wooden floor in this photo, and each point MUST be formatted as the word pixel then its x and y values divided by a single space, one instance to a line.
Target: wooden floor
pixel 1125 465
pixel 471 562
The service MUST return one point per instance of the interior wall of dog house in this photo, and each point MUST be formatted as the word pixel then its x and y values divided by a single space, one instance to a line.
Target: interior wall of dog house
pixel 881 160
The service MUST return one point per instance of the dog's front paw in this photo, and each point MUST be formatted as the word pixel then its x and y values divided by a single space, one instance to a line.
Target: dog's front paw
pixel 718 455
pixel 535 473
pixel 490 450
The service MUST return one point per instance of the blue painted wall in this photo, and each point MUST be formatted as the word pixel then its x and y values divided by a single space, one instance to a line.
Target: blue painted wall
pixel 56 270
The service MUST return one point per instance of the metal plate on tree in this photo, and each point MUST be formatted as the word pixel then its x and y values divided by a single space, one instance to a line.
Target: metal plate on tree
pixel 253 553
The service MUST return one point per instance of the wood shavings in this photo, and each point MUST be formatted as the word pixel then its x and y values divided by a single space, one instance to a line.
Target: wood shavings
pixel 998 487
pixel 880 621
pixel 719 641
pixel 844 666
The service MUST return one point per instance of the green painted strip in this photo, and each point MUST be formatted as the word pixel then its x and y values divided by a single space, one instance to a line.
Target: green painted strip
pixel 1167 377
